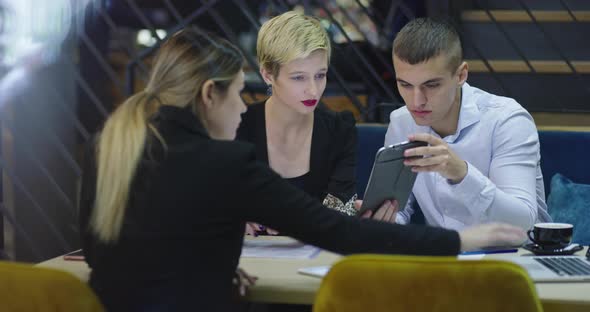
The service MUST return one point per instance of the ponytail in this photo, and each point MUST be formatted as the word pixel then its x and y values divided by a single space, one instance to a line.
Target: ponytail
pixel 184 62
pixel 120 147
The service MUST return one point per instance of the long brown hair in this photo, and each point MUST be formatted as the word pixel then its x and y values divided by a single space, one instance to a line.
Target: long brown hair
pixel 183 64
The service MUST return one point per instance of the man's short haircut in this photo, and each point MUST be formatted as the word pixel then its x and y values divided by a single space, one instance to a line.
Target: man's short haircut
pixel 287 37
pixel 425 38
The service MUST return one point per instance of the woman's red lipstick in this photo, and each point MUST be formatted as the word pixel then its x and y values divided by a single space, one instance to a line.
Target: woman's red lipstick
pixel 309 102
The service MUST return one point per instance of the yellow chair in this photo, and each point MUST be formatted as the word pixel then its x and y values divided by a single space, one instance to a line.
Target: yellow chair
pixel 374 283
pixel 27 288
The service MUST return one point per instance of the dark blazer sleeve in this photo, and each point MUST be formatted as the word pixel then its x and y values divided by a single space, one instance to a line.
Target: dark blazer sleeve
pixel 342 182
pixel 274 202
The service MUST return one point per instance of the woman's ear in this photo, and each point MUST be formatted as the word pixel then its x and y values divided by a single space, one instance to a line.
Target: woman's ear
pixel 207 93
pixel 267 76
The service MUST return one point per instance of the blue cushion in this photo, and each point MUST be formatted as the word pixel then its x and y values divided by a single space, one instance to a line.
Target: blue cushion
pixel 565 152
pixel 569 202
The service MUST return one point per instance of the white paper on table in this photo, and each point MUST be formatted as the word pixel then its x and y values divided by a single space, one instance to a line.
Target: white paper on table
pixel 470 257
pixel 315 271
pixel 291 249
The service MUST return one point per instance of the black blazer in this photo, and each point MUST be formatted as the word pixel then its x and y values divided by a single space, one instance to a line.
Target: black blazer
pixel 333 150
pixel 184 225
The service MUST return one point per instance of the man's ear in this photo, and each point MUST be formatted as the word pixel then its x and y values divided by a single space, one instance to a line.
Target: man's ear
pixel 463 72
pixel 207 93
pixel 267 76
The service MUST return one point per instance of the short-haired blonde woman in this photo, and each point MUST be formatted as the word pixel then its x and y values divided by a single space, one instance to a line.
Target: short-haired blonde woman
pixel 312 148
pixel 162 206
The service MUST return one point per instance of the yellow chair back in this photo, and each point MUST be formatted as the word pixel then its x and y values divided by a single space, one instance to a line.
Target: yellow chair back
pixel 24 287
pixel 375 283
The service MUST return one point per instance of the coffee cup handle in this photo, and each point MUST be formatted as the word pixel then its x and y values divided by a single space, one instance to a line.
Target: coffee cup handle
pixel 528 233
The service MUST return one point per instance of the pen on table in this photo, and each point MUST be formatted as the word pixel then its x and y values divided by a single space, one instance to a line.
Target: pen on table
pixel 485 252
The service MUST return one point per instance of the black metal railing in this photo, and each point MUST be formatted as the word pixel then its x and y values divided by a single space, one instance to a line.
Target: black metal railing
pixel 581 79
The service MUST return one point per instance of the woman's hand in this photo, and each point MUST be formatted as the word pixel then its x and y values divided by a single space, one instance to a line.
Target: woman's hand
pixel 254 229
pixel 491 234
pixel 386 213
pixel 243 281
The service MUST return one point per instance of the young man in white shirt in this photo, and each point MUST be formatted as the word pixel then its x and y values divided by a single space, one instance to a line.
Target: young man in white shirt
pixel 483 162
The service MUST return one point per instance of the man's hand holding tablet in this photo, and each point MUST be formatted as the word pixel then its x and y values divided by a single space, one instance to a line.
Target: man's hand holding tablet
pixel 390 178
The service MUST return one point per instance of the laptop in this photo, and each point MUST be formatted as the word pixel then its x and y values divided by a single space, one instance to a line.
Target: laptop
pixel 554 268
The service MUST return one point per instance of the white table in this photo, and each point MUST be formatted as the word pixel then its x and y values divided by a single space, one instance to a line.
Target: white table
pixel 279 282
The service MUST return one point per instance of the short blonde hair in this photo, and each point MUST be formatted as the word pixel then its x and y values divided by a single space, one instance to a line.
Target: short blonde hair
pixel 287 37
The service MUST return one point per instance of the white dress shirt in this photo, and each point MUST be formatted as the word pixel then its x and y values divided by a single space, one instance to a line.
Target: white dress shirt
pixel 498 140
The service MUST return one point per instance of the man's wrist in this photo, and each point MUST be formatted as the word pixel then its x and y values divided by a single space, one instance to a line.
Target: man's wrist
pixel 461 176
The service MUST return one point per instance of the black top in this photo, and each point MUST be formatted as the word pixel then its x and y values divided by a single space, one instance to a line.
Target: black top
pixel 298 181
pixel 333 150
pixel 184 225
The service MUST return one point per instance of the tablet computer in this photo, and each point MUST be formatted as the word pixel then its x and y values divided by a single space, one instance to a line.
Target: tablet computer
pixel 390 178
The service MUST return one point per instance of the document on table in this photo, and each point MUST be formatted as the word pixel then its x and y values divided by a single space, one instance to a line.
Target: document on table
pixel 315 271
pixel 291 249
pixel 470 257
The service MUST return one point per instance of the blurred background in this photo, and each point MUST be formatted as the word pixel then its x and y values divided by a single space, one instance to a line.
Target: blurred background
pixel 65 64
